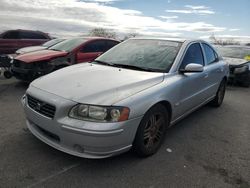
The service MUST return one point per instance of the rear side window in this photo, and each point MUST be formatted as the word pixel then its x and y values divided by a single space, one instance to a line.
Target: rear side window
pixel 11 35
pixel 193 55
pixel 111 44
pixel 210 54
pixel 95 46
pixel 31 35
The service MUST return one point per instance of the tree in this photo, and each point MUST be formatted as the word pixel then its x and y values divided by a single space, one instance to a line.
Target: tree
pixel 101 32
pixel 230 41
pixel 213 39
pixel 130 35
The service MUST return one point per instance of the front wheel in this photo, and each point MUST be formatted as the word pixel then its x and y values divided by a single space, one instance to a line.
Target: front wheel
pixel 7 74
pixel 217 101
pixel 151 131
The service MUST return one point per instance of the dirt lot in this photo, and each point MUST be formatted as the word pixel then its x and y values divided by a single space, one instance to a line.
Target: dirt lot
pixel 210 148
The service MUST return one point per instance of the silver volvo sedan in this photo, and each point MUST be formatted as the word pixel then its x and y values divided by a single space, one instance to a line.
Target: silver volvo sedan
pixel 126 98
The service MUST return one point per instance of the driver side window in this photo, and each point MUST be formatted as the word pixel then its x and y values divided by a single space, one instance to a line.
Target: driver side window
pixel 95 46
pixel 193 55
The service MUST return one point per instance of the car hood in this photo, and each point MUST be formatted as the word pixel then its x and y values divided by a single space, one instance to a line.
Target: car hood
pixel 97 84
pixel 30 49
pixel 40 55
pixel 234 61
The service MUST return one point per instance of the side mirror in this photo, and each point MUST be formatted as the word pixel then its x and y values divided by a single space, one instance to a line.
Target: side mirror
pixel 192 67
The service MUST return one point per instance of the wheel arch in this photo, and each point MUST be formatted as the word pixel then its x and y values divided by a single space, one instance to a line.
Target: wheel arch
pixel 225 78
pixel 166 104
pixel 168 107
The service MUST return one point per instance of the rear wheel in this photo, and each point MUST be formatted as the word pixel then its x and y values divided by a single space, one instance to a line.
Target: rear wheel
pixel 217 101
pixel 151 131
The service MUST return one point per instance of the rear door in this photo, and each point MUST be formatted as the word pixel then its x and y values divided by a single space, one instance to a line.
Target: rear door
pixel 213 68
pixel 90 51
pixel 8 42
pixel 192 87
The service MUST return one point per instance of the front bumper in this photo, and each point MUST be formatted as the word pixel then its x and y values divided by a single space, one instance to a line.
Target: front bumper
pixel 242 78
pixel 29 72
pixel 76 137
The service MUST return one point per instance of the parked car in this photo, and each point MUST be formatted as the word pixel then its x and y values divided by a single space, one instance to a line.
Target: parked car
pixel 44 46
pixel 12 40
pixel 6 60
pixel 127 97
pixel 238 58
pixel 30 66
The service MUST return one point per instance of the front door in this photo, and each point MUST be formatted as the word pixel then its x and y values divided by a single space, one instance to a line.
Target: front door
pixel 90 51
pixel 192 89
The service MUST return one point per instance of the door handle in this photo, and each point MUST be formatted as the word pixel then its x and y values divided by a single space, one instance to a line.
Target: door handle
pixel 206 75
pixel 219 70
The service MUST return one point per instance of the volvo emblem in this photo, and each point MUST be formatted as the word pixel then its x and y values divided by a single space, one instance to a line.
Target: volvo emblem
pixel 38 106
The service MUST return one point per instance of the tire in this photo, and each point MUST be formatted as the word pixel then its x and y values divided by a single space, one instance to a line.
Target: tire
pixel 7 74
pixel 151 131
pixel 217 101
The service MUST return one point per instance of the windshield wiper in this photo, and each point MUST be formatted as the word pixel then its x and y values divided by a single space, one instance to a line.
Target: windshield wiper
pixel 103 62
pixel 135 67
pixel 56 50
pixel 126 66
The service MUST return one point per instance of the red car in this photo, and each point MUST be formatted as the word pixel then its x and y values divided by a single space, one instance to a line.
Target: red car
pixel 12 40
pixel 30 66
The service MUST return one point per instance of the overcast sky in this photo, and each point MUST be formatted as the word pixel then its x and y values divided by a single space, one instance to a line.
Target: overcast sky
pixel 177 18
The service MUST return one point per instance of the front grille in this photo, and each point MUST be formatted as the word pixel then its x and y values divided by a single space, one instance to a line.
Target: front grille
pixel 231 69
pixel 17 63
pixel 41 107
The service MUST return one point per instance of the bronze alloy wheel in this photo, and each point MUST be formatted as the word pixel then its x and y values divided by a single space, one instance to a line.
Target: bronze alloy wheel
pixel 151 131
pixel 221 93
pixel 217 101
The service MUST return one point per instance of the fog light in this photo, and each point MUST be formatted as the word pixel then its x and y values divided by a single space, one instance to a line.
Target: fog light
pixel 23 100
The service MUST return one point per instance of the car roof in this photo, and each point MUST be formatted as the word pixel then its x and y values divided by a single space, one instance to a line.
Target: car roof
pixel 26 30
pixel 93 38
pixel 182 40
pixel 157 38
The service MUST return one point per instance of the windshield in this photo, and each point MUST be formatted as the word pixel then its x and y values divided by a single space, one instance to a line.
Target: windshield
pixel 68 45
pixel 157 55
pixel 234 52
pixel 52 42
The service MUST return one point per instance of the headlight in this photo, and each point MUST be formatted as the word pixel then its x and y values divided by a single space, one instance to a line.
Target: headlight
pixel 11 59
pixel 99 113
pixel 241 69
